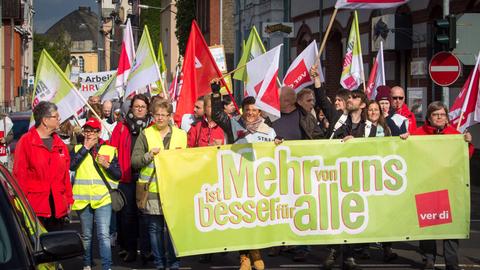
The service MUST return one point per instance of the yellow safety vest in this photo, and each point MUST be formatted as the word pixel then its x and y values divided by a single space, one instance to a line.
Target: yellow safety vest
pixel 89 187
pixel 154 140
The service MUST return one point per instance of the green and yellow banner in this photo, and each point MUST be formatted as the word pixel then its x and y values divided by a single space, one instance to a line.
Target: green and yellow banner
pixel 238 197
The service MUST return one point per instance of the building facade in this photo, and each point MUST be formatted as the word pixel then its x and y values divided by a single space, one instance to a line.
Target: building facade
pixel 406 61
pixel 16 50
pixel 80 28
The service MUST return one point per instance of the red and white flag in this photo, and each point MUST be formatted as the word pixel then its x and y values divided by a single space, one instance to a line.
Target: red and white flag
pixel 262 81
pixel 298 74
pixel 199 69
pixel 468 102
pixel 127 54
pixel 377 75
pixel 369 4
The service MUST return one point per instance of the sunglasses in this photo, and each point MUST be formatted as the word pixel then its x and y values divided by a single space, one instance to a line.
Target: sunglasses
pixel 398 98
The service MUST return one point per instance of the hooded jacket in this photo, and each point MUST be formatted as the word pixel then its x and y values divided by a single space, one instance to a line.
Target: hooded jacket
pixel 412 122
pixel 41 171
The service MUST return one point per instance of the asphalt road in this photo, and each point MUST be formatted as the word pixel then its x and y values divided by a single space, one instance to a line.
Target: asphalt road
pixel 409 257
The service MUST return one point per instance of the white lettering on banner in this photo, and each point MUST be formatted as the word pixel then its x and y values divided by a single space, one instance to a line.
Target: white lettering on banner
pixel 303 192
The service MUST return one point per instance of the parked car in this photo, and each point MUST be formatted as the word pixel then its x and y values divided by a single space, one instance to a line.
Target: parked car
pixel 24 242
pixel 21 121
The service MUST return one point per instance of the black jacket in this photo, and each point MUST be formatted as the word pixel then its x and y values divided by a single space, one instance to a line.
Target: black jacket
pixel 334 115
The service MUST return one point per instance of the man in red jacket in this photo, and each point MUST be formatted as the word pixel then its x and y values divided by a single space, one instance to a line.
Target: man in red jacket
pixel 41 168
pixel 206 132
pixel 397 95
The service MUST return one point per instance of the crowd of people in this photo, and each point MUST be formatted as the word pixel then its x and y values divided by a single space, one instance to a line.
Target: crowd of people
pixel 72 165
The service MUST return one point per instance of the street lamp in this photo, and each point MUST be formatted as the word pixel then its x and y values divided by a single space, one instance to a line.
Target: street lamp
pixel 158 8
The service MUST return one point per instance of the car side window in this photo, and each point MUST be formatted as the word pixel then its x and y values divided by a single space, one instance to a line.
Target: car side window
pixel 20 205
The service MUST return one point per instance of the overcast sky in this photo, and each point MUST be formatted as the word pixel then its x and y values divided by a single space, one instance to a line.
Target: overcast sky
pixel 48 12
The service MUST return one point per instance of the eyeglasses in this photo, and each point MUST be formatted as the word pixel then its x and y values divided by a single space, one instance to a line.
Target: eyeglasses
pixel 398 98
pixel 139 107
pixel 355 96
pixel 439 115
pixel 53 116
pixel 88 131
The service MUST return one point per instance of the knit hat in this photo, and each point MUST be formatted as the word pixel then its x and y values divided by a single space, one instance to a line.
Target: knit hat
pixel 93 123
pixel 383 93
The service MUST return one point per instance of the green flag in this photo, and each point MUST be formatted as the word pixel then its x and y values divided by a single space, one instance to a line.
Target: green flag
pixel 52 85
pixel 144 69
pixel 108 91
pixel 68 70
pixel 163 70
pixel 252 49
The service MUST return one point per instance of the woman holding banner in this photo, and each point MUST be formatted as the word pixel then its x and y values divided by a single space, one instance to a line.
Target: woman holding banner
pixel 158 137
pixel 437 123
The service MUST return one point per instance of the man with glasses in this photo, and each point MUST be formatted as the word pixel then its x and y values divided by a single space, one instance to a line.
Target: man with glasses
pixel 397 95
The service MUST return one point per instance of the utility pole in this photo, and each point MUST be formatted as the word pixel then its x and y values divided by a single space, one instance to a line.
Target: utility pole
pixel 446 90
pixel 101 41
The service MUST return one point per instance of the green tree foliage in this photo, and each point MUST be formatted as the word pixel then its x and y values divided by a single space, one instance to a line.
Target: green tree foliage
pixel 185 15
pixel 151 18
pixel 58 48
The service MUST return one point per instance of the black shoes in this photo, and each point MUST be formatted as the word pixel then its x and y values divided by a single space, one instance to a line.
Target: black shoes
pixel 330 260
pixel 130 257
pixel 350 264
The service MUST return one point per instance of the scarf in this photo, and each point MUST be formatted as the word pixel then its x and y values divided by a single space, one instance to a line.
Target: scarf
pixel 252 127
pixel 136 125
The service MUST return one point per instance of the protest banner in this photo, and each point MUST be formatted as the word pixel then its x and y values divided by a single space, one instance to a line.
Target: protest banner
pixel 90 83
pixel 240 197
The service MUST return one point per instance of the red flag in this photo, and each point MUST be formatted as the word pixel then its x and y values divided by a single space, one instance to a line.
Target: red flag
pixel 467 102
pixel 199 68
pixel 127 54
pixel 377 75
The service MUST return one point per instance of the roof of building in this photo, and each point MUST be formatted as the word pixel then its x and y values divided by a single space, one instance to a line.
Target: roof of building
pixel 79 25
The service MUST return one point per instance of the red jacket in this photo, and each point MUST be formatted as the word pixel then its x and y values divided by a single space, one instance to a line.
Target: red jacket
pixel 448 130
pixel 201 134
pixel 40 171
pixel 122 140
pixel 412 122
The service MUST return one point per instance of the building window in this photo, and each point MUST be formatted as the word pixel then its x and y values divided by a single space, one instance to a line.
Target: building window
pixel 81 63
pixel 73 61
pixel 203 15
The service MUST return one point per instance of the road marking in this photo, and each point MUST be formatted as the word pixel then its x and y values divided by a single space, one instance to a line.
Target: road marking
pixel 444 68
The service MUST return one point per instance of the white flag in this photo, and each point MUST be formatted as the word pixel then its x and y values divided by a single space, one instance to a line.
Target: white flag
pixel 262 74
pixel 298 74
pixel 127 54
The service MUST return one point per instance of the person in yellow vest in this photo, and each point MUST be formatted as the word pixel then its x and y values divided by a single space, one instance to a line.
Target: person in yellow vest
pixel 160 136
pixel 94 163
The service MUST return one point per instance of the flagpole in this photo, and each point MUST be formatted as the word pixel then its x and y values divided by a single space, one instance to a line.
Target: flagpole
pixel 467 97
pixel 93 111
pixel 360 52
pixel 327 33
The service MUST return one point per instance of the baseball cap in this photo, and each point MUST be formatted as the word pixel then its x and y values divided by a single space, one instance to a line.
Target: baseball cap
pixel 94 123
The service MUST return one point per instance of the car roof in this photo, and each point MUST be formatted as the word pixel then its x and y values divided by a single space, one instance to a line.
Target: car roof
pixel 24 115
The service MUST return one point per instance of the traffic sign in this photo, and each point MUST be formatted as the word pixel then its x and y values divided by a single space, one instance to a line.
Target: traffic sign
pixel 444 68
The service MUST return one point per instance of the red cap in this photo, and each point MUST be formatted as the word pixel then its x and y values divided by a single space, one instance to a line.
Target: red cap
pixel 93 123
pixel 383 93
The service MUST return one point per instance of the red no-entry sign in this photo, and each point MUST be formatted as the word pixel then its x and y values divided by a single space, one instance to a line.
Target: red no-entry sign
pixel 444 68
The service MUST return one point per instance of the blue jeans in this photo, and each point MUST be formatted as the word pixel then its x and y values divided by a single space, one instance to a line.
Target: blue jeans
pixel 102 217
pixel 162 247
pixel 128 219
